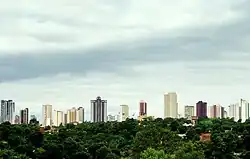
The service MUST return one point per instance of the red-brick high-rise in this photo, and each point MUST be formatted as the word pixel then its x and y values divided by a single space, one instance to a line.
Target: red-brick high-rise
pixel 143 108
pixel 201 109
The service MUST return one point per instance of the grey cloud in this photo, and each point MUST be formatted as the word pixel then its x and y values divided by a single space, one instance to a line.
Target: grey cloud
pixel 217 67
pixel 193 44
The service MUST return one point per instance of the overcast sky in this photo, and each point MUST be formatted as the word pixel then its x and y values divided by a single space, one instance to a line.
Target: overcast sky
pixel 66 53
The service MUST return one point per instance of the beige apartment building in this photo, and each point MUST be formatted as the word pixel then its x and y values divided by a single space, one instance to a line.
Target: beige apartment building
pixel 47 115
pixel 124 112
pixel 170 105
pixel 58 118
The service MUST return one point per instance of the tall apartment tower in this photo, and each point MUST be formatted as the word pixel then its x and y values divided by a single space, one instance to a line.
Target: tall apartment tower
pixel 58 118
pixel 245 109
pixel 24 116
pixel 239 110
pixel 189 112
pixel 201 109
pixel 215 111
pixel 234 111
pixel 124 112
pixel 80 115
pixel 143 108
pixel 225 114
pixel 47 115
pixel 98 110
pixel 65 121
pixel 170 105
pixel 222 112
pixel 71 115
pixel 7 111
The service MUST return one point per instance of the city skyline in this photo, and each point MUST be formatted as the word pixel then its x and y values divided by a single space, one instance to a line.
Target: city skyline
pixel 121 52
pixel 239 110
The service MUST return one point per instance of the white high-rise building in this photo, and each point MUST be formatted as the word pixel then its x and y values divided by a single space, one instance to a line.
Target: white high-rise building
pixel 124 112
pixel 245 109
pixel 58 118
pixel 234 111
pixel 239 110
pixel 7 111
pixel 80 115
pixel 47 115
pixel 170 105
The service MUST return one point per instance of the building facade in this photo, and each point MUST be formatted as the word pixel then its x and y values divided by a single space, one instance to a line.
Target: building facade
pixel 72 115
pixel 142 108
pixel 201 109
pixel 234 111
pixel 80 115
pixel 239 111
pixel 65 119
pixel 170 105
pixel 47 119
pixel 124 112
pixel 225 114
pixel 24 116
pixel 98 110
pixel 7 111
pixel 222 112
pixel 215 111
pixel 58 118
pixel 244 104
pixel 189 112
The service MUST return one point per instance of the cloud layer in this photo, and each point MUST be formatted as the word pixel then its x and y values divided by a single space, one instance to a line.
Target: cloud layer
pixel 66 53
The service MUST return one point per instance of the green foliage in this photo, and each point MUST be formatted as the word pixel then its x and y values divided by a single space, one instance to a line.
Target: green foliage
pixel 154 154
pixel 151 139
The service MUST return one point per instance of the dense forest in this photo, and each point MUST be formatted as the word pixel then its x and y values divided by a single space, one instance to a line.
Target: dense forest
pixel 150 139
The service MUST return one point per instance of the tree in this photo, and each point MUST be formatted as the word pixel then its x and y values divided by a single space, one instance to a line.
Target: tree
pixel 153 138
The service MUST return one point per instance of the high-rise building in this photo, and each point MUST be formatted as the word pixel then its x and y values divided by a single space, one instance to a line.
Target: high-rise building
pixel 47 115
pixel 234 111
pixel 17 119
pixel 98 110
pixel 245 109
pixel 80 115
pixel 65 118
pixel 215 111
pixel 7 111
pixel 24 116
pixel 189 112
pixel 58 118
pixel 239 110
pixel 143 108
pixel 170 105
pixel 225 114
pixel 124 112
pixel 222 112
pixel 72 115
pixel 201 109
